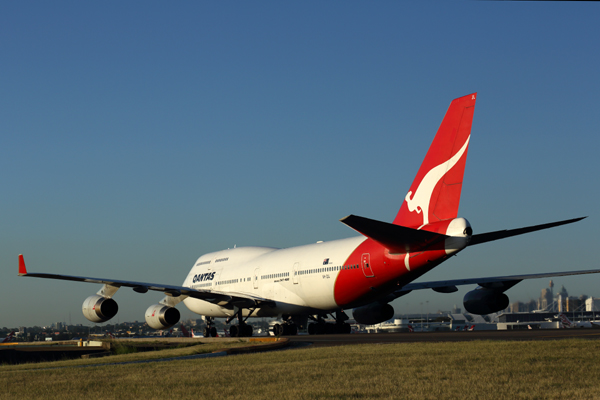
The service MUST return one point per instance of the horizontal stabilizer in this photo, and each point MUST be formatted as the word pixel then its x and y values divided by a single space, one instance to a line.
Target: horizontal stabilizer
pixel 490 236
pixel 396 238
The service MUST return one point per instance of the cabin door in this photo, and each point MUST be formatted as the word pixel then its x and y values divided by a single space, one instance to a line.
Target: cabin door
pixel 366 265
pixel 256 277
pixel 295 273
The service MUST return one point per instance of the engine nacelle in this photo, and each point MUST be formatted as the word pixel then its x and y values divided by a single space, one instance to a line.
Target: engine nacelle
pixel 159 316
pixel 373 313
pixel 483 301
pixel 99 309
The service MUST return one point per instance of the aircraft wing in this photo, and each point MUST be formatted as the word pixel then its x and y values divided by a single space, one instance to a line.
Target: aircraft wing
pixel 500 282
pixel 216 297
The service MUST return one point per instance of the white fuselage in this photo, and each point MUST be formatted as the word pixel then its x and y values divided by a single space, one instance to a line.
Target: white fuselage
pixel 298 279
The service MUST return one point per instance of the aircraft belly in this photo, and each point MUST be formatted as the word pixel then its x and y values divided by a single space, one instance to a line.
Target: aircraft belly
pixel 205 308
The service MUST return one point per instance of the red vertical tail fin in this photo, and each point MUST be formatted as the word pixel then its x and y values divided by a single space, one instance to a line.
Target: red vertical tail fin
pixel 185 331
pixel 434 194
pixel 565 321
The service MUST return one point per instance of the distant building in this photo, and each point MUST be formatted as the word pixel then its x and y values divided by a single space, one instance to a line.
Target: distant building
pixel 563 292
pixel 561 300
pixel 592 304
pixel 518 307
pixel 531 306
pixel 546 300
pixel 573 304
pixel 515 307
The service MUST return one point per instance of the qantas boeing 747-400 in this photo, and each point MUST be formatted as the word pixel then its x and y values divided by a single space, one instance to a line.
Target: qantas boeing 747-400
pixel 363 274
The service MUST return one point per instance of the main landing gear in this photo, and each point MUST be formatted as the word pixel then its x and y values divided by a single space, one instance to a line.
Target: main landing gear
pixel 289 327
pixel 210 330
pixel 320 327
pixel 242 329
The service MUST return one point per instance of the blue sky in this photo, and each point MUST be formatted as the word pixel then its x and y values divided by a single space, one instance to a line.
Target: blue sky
pixel 136 137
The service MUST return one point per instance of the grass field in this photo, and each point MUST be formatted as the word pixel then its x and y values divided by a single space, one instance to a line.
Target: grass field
pixel 125 352
pixel 477 369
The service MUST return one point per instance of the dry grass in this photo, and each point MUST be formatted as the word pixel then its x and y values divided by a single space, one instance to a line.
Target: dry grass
pixel 479 369
pixel 125 356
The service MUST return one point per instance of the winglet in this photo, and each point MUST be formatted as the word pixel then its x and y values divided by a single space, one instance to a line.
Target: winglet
pixel 22 269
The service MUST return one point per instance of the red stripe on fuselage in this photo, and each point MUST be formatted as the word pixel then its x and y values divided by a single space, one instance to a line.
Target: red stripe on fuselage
pixel 353 287
pixel 352 282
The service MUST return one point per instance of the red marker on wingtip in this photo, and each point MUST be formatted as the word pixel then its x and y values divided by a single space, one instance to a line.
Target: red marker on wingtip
pixel 22 269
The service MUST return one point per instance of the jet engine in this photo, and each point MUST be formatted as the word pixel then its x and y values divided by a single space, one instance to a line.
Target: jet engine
pixel 159 316
pixel 373 313
pixel 483 301
pixel 99 309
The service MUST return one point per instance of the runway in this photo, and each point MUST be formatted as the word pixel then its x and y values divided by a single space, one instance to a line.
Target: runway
pixel 415 337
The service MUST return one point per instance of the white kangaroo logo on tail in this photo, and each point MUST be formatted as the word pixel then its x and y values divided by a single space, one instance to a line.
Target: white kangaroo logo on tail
pixel 422 197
